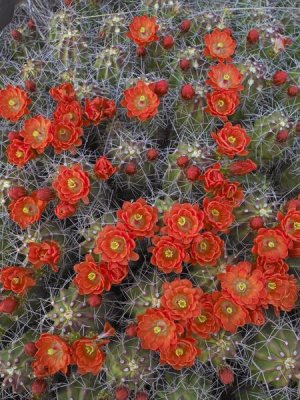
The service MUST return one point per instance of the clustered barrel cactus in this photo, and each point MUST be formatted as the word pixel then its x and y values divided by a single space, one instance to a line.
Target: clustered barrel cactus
pixel 150 202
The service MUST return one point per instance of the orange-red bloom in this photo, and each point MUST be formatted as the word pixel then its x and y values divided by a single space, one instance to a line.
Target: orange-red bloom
pixel 52 356
pixel 181 299
pixel 69 113
pixel 242 167
pixel 167 254
pixel 218 214
pixel 230 314
pixel 64 210
pixel 206 249
pixel 231 192
pixel 141 102
pixel 13 103
pixel 87 355
pixel 36 133
pixel 180 355
pixel 89 278
pixel 213 178
pixel 63 93
pixel 25 211
pixel 205 323
pixel 19 153
pixel 99 109
pixel 72 184
pixel 290 223
pixel 219 44
pixel 16 279
pixel 65 136
pixel 272 244
pixel 224 77
pixel 222 103
pixel 115 245
pixel 139 218
pixel 45 253
pixel 232 140
pixel 103 168
pixel 142 30
pixel 156 329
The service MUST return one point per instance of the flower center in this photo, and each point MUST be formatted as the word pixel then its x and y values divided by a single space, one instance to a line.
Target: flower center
pixel 226 77
pixel 142 99
pixel 114 245
pixel 25 210
pixel 296 225
pixel 19 154
pixel 157 329
pixel 215 212
pixel 168 253
pixel 71 183
pixel 242 286
pixel 50 352
pixel 178 352
pixel 91 276
pixel 203 246
pixel 202 318
pixel 220 45
pixel 138 217
pixel 15 281
pixel 89 349
pixel 142 29
pixel 35 133
pixel 181 221
pixel 271 244
pixel 221 103
pixel 272 285
pixel 229 310
pixel 182 303
pixel 231 139
pixel 11 102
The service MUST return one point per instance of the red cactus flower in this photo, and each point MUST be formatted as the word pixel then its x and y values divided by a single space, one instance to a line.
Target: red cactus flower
pixel 87 355
pixel 224 77
pixel 64 93
pixel 206 249
pixel 16 279
pixel 167 254
pixel 103 168
pixel 219 44
pixel 44 253
pixel 13 103
pixel 180 355
pixel 142 30
pixel 222 103
pixel 232 140
pixel 36 133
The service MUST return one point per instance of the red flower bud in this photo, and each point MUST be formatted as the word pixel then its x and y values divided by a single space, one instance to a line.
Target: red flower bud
pixel 253 36
pixel 39 387
pixel 152 154
pixel 14 135
pixel 8 305
pixel 256 223
pixel 16 35
pixel 131 330
pixel 68 2
pixel 185 25
pixel 31 24
pixel 168 42
pixel 30 86
pixel 141 396
pixel 141 51
pixel 184 64
pixel 187 92
pixel 16 192
pixel 45 194
pixel 192 173
pixel 297 128
pixel 293 91
pixel 226 376
pixel 282 136
pixel 279 78
pixel 94 300
pixel 121 393
pixel 182 161
pixel 161 87
pixel 242 167
pixel 30 349
pixel 130 168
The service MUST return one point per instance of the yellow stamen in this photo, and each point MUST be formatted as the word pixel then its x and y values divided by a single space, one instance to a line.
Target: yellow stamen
pixel 91 276
pixel 229 310
pixel 242 286
pixel 15 281
pixel 138 217
pixel 114 245
pixel 202 318
pixel 203 246
pixel 272 285
pixel 221 103
pixel 296 225
pixel 226 77
pixel 142 29
pixel 11 102
pixel 19 154
pixel 182 303
pixel 71 183
pixel 220 45
pixel 271 244
pixel 25 210
pixel 35 133
pixel 178 352
pixel 51 352
pixel 142 98
pixel 156 330
pixel 168 253
pixel 231 139
pixel 89 349
pixel 215 212
pixel 181 221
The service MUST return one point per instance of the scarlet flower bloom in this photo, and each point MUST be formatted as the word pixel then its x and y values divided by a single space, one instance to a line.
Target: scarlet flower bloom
pixel 64 210
pixel 36 133
pixel 224 77
pixel 272 244
pixel 230 314
pixel 244 286
pixel 65 136
pixel 290 224
pixel 89 278
pixel 87 355
pixel 19 153
pixel 219 44
pixel 103 168
pixel 167 254
pixel 25 211
pixel 218 214
pixel 16 279
pixel 113 273
pixel 68 113
pixel 115 245
pixel 181 299
pixel 277 267
pixel 205 323
pixel 141 102
pixel 232 140
pixel 156 329
pixel 45 253
pixel 242 167
pixel 282 291
pixel 180 355
pixel 139 218
pixel 72 184
pixel 183 222
pixel 213 178
pixel 231 192
pixel 142 30
pixel 222 103
pixel 206 249
pixel 52 356
pixel 13 103
pixel 63 93
pixel 99 109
